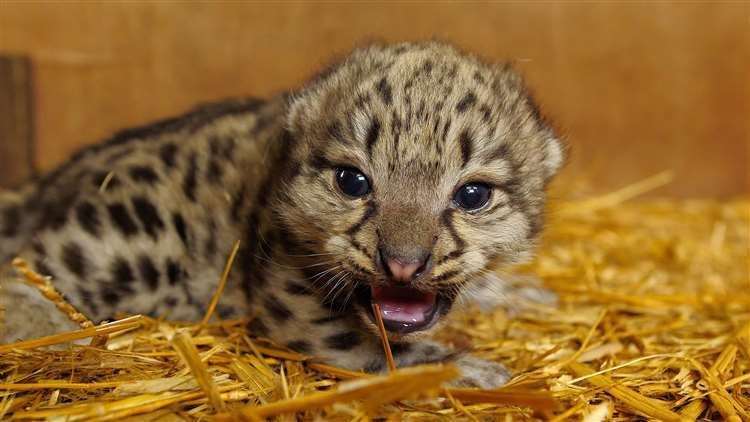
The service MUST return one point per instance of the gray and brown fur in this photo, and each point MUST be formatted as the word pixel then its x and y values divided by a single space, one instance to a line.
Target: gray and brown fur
pixel 143 223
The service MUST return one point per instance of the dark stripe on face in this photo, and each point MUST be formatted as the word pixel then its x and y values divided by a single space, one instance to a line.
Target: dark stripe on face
pixel 358 246
pixel 384 89
pixel 368 214
pixel 88 218
pixel 319 161
pixel 466 102
pixel 74 261
pixel 148 272
pixel 447 219
pixel 372 134
pixel 190 182
pixel 344 341
pixel 445 276
pixel 451 256
pixel 277 309
pixel 122 220
pixel 466 147
pixel 148 215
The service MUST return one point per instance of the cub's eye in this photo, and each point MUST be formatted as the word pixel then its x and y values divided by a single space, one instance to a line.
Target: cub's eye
pixel 352 182
pixel 472 196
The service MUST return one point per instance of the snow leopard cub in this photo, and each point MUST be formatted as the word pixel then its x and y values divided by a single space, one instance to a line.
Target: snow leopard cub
pixel 394 177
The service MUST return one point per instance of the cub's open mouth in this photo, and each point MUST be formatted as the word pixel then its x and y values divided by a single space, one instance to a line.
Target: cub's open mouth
pixel 404 309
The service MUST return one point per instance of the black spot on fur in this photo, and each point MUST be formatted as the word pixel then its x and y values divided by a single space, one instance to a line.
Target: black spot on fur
pixel 38 248
pixel 372 134
pixel 297 289
pixel 214 172
pixel 190 181
pixel 167 154
pixel 344 341
pixel 148 272
pixel 467 147
pixel 42 268
pixel 257 327
pixel 75 262
pixel 277 309
pixel 171 301
pixel 174 272
pixel 11 221
pixel 300 346
pixel 122 220
pixel 122 274
pixel 110 297
pixel 385 91
pixel 143 174
pixel 466 102
pixel 88 218
pixel 179 226
pixel 148 215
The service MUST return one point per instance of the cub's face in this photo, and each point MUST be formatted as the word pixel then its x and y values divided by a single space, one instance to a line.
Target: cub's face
pixel 418 168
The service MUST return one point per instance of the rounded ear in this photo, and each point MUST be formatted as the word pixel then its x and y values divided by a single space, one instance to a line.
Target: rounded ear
pixel 554 156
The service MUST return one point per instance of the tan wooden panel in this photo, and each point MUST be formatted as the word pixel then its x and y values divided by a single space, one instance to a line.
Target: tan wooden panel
pixel 636 87
pixel 16 121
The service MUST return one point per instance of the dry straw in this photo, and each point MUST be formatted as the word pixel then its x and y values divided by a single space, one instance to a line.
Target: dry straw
pixel 653 321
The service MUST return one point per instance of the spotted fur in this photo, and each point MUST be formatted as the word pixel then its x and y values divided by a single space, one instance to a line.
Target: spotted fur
pixel 142 223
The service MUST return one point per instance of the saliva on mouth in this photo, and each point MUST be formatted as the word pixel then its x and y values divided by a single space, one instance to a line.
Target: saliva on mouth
pixel 403 309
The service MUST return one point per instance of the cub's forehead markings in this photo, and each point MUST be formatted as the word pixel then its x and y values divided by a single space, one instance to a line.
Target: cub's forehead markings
pixel 466 102
pixel 467 147
pixel 373 134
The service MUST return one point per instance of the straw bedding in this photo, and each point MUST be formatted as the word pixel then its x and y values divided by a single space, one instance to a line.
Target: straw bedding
pixel 653 321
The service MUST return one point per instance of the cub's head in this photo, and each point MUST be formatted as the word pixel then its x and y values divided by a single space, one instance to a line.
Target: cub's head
pixel 417 167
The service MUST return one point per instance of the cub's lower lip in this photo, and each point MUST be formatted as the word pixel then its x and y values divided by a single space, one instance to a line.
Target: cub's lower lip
pixel 403 309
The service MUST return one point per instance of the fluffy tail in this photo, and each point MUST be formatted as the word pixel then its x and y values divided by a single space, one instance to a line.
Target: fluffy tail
pixel 15 222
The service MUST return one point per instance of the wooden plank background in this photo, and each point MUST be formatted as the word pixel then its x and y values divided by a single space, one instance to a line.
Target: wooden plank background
pixel 636 88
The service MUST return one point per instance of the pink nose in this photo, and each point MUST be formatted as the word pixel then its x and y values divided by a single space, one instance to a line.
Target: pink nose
pixel 403 271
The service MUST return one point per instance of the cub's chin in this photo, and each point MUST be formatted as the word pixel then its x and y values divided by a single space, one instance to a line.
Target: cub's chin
pixel 405 311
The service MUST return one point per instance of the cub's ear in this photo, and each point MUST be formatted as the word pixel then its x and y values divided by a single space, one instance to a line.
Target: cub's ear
pixel 554 156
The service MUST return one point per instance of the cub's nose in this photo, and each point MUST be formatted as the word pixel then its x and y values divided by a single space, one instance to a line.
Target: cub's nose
pixel 404 269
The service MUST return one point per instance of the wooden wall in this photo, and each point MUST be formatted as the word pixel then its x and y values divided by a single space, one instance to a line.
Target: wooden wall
pixel 636 88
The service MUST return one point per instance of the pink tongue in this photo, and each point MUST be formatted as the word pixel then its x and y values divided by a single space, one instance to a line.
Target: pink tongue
pixel 403 304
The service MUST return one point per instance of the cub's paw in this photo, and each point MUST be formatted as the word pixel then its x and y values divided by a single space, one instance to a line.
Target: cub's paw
pixel 480 373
